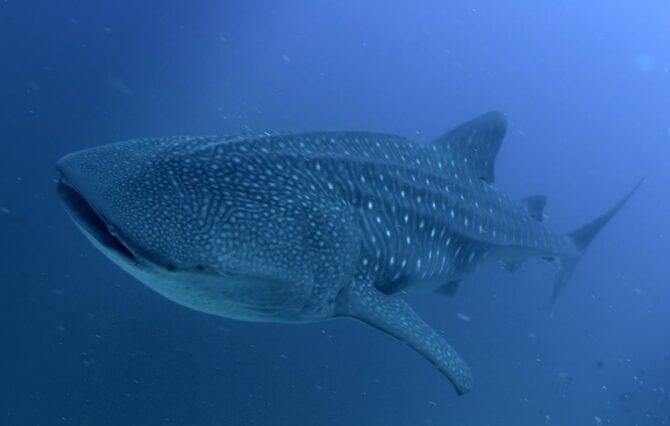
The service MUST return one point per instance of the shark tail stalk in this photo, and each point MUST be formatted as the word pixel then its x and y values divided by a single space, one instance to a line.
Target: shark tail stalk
pixel 582 238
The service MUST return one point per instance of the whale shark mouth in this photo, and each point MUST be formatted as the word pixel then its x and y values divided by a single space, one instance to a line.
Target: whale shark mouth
pixel 93 223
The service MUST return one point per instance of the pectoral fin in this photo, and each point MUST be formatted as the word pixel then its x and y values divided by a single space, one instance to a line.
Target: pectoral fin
pixel 394 316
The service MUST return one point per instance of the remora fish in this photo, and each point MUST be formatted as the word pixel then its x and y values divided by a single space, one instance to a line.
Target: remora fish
pixel 305 227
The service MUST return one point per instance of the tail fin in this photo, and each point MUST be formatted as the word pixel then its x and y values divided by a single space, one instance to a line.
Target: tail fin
pixel 582 238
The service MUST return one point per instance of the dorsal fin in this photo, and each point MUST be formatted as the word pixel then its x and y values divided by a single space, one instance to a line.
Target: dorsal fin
pixel 477 142
pixel 535 206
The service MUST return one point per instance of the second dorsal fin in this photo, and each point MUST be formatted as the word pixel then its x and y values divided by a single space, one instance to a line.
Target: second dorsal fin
pixel 449 289
pixel 535 206
pixel 476 143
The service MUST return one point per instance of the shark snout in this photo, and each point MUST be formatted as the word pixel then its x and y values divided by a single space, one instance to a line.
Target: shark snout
pixel 74 169
pixel 77 191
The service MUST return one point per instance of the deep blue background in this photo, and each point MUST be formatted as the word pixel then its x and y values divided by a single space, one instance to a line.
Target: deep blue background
pixel 586 86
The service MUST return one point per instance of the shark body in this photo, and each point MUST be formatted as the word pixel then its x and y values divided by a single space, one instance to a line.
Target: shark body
pixel 305 227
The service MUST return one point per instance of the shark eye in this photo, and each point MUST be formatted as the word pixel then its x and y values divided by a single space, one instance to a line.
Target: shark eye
pixel 169 267
pixel 200 268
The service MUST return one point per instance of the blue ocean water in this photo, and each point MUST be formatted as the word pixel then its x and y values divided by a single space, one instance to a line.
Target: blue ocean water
pixel 585 86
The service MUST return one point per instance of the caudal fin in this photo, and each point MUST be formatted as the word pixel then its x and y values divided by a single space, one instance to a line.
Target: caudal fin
pixel 582 238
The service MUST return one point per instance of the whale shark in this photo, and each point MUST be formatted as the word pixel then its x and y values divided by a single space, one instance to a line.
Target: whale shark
pixel 295 228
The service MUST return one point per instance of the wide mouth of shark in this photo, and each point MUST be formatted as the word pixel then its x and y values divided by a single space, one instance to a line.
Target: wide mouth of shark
pixel 91 221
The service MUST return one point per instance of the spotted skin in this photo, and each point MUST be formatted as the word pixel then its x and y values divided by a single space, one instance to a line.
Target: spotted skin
pixel 303 227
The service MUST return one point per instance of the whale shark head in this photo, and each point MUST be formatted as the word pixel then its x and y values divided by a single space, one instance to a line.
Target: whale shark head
pixel 182 217
pixel 132 199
